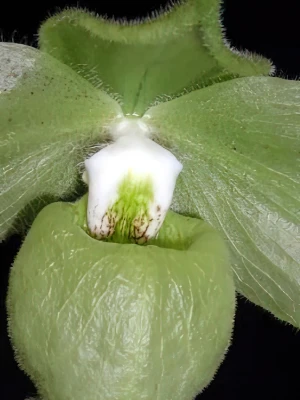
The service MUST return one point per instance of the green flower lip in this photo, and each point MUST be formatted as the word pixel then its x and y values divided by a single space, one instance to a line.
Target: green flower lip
pixel 120 321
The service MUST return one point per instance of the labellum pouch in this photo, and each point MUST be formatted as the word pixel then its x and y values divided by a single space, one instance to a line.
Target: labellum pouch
pixel 91 319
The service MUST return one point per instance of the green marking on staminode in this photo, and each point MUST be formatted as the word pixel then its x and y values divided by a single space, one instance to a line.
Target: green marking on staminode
pixel 168 237
pixel 131 210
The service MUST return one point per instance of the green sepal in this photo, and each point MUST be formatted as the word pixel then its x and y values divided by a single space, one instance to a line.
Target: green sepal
pixel 149 60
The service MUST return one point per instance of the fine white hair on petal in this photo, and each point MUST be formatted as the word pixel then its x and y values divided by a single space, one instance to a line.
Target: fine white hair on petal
pixel 15 60
pixel 144 159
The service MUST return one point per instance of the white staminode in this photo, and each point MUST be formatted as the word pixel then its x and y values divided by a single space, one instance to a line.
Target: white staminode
pixel 132 154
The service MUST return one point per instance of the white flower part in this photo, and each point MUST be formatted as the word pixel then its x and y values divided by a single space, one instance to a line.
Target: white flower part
pixel 123 169
pixel 15 60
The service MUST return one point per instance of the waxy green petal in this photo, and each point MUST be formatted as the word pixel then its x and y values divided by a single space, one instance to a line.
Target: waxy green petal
pixel 49 116
pixel 150 60
pixel 94 320
pixel 239 143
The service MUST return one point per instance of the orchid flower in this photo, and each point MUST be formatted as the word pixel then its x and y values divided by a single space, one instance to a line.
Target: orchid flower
pixel 158 172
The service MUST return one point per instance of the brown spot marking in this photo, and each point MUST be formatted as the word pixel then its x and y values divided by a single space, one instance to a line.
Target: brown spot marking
pixel 13 74
pixel 158 208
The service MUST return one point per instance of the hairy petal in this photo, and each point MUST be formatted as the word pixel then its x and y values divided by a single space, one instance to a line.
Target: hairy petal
pixel 239 143
pixel 49 115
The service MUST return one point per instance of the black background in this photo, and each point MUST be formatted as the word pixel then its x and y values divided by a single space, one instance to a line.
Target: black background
pixel 264 359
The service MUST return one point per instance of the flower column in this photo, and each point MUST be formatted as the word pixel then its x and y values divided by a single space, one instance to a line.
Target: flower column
pixel 131 184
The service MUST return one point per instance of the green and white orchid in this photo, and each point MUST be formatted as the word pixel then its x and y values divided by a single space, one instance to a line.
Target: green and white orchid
pixel 129 292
